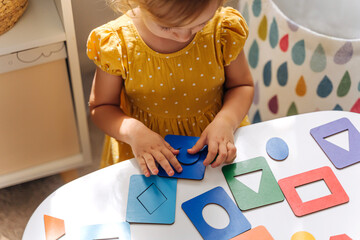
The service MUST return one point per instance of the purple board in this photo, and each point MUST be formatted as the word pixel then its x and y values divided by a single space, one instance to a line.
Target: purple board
pixel 340 157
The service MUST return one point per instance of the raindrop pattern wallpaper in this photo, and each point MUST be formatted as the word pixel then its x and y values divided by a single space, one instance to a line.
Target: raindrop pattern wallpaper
pixel 297 70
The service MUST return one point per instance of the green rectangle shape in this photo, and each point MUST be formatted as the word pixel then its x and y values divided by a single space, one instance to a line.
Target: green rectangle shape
pixel 246 198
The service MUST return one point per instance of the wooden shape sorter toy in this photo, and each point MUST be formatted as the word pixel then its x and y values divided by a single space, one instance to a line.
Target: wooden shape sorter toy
pixel 194 207
pixel 340 237
pixel 151 200
pixel 192 164
pixel 338 195
pixel 109 231
pixel 269 190
pixel 277 149
pixel 54 227
pixel 257 233
pixel 340 157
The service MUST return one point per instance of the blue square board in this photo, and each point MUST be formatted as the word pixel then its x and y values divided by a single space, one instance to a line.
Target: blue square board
pixel 151 200
pixel 192 164
pixel 119 230
pixel 194 207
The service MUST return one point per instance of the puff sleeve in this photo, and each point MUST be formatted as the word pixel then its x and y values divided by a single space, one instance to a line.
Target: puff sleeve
pixel 104 47
pixel 233 34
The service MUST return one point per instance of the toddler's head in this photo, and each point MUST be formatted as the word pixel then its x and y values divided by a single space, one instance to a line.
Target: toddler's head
pixel 174 19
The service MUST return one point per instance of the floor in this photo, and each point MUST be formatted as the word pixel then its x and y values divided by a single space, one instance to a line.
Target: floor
pixel 18 202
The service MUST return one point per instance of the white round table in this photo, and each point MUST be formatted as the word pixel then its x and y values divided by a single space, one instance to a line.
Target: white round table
pixel 101 197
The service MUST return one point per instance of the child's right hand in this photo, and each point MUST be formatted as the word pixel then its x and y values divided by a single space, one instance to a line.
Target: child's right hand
pixel 149 147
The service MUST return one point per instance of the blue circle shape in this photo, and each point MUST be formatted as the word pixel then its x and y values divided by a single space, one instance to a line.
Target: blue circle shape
pixel 277 149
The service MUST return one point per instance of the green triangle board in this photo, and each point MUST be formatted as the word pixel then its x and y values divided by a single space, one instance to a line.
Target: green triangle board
pixel 269 190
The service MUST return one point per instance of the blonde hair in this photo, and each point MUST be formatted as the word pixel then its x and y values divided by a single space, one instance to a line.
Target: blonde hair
pixel 171 12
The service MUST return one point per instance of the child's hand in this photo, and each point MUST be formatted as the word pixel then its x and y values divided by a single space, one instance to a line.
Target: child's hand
pixel 149 147
pixel 219 136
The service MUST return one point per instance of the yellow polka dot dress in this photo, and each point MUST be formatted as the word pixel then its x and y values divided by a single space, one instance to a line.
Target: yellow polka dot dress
pixel 176 93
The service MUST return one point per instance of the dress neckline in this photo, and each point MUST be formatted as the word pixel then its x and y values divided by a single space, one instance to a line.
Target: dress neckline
pixel 159 54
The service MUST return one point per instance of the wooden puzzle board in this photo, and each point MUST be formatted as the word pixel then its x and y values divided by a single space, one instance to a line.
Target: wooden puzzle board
pixel 102 196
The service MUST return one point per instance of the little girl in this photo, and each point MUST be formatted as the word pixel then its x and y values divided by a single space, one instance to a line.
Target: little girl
pixel 169 67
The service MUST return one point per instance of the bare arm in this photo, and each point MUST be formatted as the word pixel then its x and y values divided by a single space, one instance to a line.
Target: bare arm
pixel 148 147
pixel 219 135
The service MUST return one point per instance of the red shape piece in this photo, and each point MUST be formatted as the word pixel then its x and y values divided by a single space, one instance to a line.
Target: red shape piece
pixel 284 43
pixel 340 237
pixel 54 227
pixel 273 104
pixel 356 107
pixel 338 195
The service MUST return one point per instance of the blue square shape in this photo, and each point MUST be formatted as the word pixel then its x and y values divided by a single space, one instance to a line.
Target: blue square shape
pixel 120 230
pixel 151 200
pixel 192 165
pixel 194 207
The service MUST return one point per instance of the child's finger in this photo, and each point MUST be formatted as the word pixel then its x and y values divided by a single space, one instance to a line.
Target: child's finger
pixel 173 150
pixel 143 167
pixel 150 162
pixel 222 155
pixel 164 163
pixel 231 152
pixel 173 160
pixel 198 146
pixel 212 152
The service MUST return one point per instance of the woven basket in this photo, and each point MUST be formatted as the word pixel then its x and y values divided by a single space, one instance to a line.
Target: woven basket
pixel 10 12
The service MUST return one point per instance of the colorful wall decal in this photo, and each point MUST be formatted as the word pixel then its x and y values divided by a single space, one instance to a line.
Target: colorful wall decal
pixel 256 233
pixel 338 195
pixel 344 54
pixel 256 98
pixel 193 209
pixel 267 74
pixel 274 33
pixel 257 117
pixel 245 13
pixel 262 30
pixel 338 108
pixel 318 59
pixel 273 104
pixel 344 86
pixel 302 235
pixel 254 54
pixel 293 26
pixel 284 43
pixel 340 157
pixel 292 110
pixel 282 74
pixel 256 7
pixel 356 106
pixel 324 88
pixel 298 52
pixel 314 63
pixel 301 87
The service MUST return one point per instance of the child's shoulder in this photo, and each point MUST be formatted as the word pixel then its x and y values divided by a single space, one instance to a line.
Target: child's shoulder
pixel 123 21
pixel 227 18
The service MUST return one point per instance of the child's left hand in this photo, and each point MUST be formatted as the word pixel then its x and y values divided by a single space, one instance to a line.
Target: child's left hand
pixel 219 136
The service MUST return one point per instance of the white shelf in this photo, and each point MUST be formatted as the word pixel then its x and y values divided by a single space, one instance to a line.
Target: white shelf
pixel 40 25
